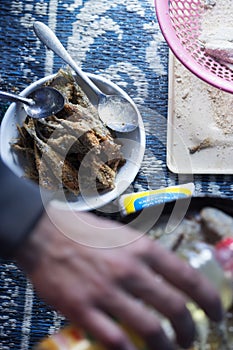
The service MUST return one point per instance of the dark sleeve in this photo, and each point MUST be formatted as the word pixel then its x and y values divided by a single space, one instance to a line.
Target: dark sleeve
pixel 20 208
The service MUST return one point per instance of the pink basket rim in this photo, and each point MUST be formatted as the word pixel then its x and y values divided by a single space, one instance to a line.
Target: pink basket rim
pixel 162 12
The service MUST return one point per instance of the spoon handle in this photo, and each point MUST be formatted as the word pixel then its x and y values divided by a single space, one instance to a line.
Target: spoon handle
pixel 15 98
pixel 48 37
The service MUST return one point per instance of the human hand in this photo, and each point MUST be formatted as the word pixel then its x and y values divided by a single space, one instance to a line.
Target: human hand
pixel 92 286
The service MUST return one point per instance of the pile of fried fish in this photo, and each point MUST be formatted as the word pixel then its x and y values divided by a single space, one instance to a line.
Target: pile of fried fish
pixel 71 147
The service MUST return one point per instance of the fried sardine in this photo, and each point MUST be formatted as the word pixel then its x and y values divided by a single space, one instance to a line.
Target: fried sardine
pixel 53 149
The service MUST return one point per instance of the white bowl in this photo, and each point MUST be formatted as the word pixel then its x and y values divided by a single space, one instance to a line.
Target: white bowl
pixel 133 148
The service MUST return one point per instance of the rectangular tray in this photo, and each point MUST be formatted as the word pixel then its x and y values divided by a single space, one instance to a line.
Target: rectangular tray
pixel 200 124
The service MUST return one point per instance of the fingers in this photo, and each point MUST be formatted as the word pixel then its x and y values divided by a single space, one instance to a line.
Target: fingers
pixel 112 299
pixel 179 274
pixel 159 295
pixel 140 319
pixel 105 330
pixel 116 337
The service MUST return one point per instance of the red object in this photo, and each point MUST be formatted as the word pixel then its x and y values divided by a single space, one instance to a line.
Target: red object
pixel 224 253
pixel 76 334
pixel 225 243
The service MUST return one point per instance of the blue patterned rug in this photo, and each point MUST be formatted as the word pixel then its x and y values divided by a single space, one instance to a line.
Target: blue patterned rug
pixel 120 40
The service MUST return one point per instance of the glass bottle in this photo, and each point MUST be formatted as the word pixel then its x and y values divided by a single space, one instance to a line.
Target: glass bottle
pixel 216 263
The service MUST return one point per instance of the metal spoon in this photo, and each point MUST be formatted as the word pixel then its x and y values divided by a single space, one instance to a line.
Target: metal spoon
pixel 115 111
pixel 41 103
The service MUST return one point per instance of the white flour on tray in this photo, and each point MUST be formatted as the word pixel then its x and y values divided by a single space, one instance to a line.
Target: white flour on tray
pixel 200 125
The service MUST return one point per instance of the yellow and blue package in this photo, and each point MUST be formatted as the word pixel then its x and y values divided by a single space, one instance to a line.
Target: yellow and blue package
pixel 133 202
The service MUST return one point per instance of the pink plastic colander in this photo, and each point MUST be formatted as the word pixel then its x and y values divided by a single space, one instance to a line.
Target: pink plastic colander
pixel 180 22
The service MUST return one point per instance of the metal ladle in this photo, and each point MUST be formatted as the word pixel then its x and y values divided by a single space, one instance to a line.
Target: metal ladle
pixel 41 103
pixel 115 111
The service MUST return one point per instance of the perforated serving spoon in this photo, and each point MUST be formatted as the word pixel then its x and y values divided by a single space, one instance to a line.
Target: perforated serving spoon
pixel 115 111
pixel 41 103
